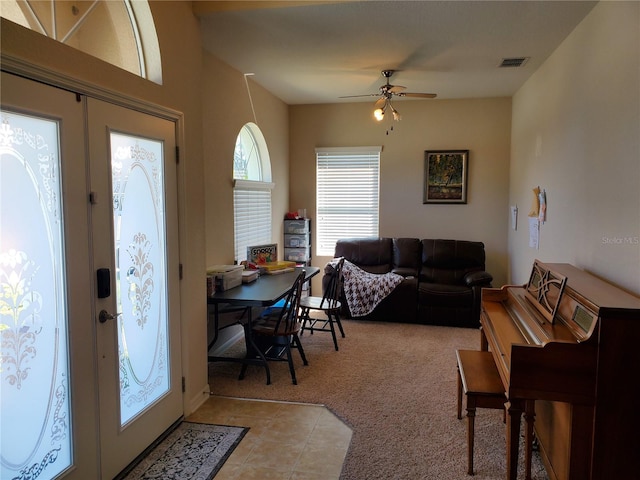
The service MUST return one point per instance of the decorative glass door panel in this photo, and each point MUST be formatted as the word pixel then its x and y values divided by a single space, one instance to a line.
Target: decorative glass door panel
pixel 141 277
pixel 35 418
pixel 133 176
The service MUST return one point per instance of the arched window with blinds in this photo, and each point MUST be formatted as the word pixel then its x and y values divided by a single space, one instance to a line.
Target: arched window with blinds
pixel 251 191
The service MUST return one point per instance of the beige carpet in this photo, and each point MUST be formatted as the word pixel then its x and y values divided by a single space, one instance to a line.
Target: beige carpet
pixel 395 385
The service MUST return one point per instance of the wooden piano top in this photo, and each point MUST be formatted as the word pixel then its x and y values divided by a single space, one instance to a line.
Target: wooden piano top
pixel 552 357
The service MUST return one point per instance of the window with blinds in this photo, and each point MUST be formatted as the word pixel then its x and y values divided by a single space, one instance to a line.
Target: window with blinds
pixel 347 186
pixel 252 215
pixel 251 191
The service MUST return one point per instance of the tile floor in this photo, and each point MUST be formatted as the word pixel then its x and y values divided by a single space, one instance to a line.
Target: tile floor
pixel 286 441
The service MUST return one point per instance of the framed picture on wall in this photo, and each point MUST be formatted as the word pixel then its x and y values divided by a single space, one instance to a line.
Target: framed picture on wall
pixel 445 176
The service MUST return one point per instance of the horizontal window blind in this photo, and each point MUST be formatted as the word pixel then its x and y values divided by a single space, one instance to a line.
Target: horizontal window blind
pixel 252 214
pixel 347 186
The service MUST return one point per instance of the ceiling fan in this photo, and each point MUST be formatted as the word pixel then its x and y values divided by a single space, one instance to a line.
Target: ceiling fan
pixel 387 92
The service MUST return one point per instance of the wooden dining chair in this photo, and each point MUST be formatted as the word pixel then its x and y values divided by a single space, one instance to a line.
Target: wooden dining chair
pixel 328 305
pixel 279 329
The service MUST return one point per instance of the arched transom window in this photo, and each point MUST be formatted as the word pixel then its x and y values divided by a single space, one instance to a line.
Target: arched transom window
pixel 120 32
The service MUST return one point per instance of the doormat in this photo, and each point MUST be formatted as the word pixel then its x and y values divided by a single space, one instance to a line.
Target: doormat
pixel 193 451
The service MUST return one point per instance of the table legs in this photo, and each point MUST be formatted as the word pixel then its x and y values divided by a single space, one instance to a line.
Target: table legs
pixel 254 355
pixel 253 351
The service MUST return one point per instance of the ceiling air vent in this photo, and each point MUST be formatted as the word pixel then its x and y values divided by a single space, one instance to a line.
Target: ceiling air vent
pixel 513 62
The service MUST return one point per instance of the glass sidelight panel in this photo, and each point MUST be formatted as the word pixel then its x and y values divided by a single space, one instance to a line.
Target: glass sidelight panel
pixel 35 418
pixel 141 275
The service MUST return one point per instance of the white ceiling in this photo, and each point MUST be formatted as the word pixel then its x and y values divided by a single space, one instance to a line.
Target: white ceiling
pixel 319 51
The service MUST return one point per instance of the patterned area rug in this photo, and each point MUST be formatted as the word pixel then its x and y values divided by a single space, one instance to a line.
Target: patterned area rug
pixel 193 451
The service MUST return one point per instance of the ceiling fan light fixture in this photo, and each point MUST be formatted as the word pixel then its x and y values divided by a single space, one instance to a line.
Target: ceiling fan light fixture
pixel 387 92
pixel 396 115
pixel 380 110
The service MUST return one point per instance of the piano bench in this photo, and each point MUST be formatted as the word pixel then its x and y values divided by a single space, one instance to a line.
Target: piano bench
pixel 479 380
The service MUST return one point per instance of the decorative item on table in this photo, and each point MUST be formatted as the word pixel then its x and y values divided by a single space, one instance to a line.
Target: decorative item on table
pixel 266 258
pixel 260 254
pixel 249 265
pixel 223 277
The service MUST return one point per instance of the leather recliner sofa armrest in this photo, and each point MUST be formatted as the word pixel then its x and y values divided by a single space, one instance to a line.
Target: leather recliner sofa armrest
pixel 473 279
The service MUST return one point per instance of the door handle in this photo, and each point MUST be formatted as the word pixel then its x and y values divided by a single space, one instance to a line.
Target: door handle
pixel 103 316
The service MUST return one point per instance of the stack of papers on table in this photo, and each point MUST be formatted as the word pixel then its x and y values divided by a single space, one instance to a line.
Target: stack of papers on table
pixel 273 268
pixel 249 276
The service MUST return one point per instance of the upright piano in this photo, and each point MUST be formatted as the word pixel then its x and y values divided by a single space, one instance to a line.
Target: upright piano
pixel 567 346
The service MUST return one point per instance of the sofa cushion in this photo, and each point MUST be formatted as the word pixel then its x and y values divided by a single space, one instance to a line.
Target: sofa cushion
pixel 400 306
pixel 449 261
pixel 443 295
pixel 372 255
pixel 407 256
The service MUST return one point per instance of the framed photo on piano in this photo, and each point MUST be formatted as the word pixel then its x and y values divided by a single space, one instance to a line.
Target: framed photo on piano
pixel 545 289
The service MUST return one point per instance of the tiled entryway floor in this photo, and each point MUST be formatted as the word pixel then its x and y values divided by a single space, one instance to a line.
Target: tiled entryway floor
pixel 286 441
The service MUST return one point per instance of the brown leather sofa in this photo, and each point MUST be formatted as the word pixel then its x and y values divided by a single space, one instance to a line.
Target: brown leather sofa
pixel 442 278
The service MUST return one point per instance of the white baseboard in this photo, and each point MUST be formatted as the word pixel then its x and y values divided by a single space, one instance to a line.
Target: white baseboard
pixel 197 400
pixel 204 393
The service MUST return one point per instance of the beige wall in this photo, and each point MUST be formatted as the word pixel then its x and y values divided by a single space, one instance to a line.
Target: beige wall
pixel 576 130
pixel 480 125
pixel 226 108
pixel 180 44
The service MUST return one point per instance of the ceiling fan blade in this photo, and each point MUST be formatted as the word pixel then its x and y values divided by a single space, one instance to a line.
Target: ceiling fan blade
pixel 416 95
pixel 365 95
pixel 396 88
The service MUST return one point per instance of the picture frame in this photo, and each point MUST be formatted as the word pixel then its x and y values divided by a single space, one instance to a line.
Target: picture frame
pixel 445 176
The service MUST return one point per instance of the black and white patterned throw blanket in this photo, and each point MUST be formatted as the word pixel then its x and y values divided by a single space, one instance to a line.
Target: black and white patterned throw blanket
pixel 364 290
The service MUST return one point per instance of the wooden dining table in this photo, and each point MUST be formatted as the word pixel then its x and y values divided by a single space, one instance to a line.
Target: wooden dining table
pixel 266 291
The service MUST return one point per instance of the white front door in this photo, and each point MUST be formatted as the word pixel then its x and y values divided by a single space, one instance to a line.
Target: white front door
pixel 135 238
pixel 47 375
pixel 80 398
